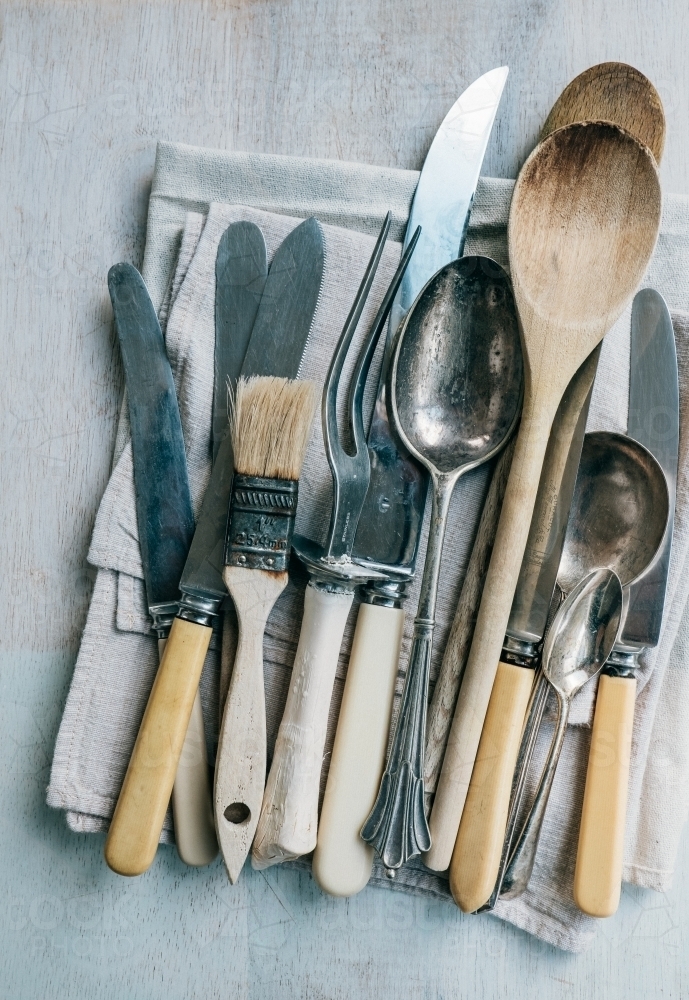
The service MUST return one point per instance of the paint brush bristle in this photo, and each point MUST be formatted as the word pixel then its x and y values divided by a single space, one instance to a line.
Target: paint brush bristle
pixel 270 423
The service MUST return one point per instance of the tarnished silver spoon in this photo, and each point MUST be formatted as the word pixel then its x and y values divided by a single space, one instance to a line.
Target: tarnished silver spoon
pixel 579 642
pixel 455 390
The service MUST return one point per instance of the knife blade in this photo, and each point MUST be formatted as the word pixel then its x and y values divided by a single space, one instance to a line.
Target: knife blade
pixel 163 503
pixel 390 524
pixel 538 573
pixel 241 269
pixel 166 526
pixel 276 347
pixel 654 422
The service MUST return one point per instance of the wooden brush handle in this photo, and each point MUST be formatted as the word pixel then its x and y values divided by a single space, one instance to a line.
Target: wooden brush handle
pixel 140 812
pixel 342 861
pixel 486 647
pixel 289 814
pixel 240 768
pixel 598 873
pixel 477 852
pixel 192 803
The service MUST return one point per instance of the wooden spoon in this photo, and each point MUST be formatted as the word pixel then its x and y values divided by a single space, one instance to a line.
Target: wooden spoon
pixel 612 92
pixel 608 92
pixel 583 223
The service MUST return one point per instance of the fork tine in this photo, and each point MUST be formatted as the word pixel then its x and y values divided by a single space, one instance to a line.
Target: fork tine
pixel 329 407
pixel 358 384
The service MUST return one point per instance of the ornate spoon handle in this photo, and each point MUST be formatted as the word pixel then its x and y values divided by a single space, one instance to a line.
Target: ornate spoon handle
pixel 397 827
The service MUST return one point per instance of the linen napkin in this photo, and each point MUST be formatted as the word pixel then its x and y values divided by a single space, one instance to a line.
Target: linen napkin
pixel 117 660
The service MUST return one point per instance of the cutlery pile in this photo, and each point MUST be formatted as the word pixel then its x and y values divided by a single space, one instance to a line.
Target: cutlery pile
pixel 567 577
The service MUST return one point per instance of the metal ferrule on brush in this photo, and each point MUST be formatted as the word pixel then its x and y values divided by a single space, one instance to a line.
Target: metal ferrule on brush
pixel 261 522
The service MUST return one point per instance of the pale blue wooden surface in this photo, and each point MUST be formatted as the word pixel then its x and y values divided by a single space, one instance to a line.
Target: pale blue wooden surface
pixel 86 89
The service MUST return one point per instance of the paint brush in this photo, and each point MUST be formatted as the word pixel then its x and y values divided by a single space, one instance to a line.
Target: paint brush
pixel 270 424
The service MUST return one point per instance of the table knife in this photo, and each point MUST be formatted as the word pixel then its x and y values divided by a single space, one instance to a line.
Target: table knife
pixel 276 347
pixel 387 538
pixel 166 527
pixel 241 269
pixel 654 422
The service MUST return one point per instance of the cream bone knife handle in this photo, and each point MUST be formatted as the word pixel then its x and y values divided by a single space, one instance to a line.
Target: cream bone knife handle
pixel 598 873
pixel 289 814
pixel 192 803
pixel 342 861
pixel 140 812
pixel 478 848
pixel 240 768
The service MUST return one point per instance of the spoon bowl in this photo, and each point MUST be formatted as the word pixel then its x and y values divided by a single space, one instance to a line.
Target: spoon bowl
pixel 583 632
pixel 456 379
pixel 612 92
pixel 619 510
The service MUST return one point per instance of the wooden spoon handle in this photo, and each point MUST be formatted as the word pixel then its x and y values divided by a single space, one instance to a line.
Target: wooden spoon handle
pixel 289 814
pixel 342 861
pixel 240 768
pixel 477 852
pixel 598 874
pixel 138 819
pixel 486 647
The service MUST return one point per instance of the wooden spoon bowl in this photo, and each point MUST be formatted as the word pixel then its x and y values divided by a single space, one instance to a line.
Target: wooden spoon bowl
pixel 583 223
pixel 612 92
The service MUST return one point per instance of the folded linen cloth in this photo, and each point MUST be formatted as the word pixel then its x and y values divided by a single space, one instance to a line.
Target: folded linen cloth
pixel 117 659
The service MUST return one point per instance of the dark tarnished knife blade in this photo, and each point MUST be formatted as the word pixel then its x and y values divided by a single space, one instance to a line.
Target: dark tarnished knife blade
pixel 654 422
pixel 538 573
pixel 276 347
pixel 288 304
pixel 163 503
pixel 241 268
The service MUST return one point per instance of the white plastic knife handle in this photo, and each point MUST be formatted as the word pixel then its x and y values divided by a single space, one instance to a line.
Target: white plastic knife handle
pixel 289 815
pixel 342 862
pixel 192 806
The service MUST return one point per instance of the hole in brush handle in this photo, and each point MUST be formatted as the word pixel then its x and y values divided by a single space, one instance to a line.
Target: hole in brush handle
pixel 237 813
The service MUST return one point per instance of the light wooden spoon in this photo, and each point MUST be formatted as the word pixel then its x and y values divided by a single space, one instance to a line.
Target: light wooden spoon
pixel 583 223
pixel 612 92
pixel 607 92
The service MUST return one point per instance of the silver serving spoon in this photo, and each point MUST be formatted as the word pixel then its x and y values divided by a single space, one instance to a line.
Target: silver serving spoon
pixel 455 389
pixel 617 520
